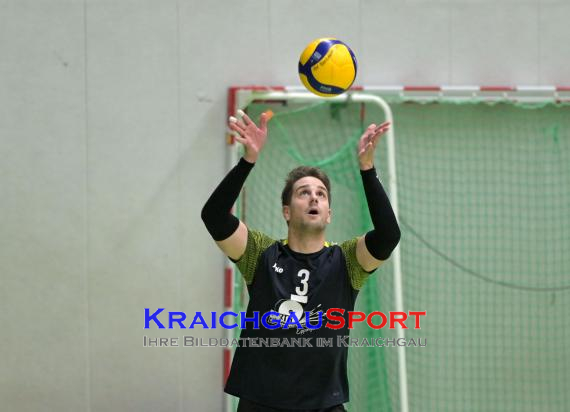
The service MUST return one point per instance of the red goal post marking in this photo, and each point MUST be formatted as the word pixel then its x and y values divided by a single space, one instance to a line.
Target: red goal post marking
pixel 241 96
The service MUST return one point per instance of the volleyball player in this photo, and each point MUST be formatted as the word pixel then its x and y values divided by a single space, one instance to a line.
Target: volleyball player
pixel 302 275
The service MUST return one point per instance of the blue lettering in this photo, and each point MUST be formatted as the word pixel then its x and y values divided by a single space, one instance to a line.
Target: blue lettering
pixel 171 319
pixel 266 323
pixel 223 315
pixel 153 317
pixel 318 325
pixel 295 321
pixel 198 319
pixel 245 319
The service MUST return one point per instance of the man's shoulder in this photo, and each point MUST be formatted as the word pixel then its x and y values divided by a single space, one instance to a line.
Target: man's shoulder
pixel 258 242
pixel 260 236
pixel 345 245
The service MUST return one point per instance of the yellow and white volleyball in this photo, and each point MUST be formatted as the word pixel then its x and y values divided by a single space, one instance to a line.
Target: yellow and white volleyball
pixel 327 67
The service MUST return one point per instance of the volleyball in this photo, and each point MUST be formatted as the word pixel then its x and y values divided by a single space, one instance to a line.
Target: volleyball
pixel 327 67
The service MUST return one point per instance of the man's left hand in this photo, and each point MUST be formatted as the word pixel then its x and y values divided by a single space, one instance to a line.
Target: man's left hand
pixel 367 144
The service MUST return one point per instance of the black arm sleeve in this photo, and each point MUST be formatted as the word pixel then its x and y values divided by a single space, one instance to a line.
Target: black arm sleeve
pixel 216 212
pixel 381 241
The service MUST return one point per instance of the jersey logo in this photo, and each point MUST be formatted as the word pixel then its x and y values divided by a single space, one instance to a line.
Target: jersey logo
pixel 282 316
pixel 277 268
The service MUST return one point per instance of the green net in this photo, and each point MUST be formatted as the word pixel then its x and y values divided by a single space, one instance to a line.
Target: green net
pixel 484 198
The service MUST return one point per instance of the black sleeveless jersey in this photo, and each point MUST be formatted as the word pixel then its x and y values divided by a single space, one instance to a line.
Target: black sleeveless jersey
pixel 295 374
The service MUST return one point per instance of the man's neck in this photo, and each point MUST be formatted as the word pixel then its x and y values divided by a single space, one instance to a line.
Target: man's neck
pixel 305 242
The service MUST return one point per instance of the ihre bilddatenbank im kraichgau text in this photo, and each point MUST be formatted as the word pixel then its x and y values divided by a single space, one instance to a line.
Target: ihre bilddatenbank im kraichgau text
pixel 334 318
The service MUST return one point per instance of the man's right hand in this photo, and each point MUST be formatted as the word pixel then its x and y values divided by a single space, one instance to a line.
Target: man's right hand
pixel 247 133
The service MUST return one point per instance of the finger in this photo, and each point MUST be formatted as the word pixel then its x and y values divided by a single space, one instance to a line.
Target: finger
pixel 368 130
pixel 372 136
pixel 368 133
pixel 375 140
pixel 233 131
pixel 265 118
pixel 233 120
pixel 246 120
pixel 240 139
pixel 263 121
pixel 384 124
pixel 235 125
pixel 237 121
pixel 383 127
pixel 379 132
pixel 238 135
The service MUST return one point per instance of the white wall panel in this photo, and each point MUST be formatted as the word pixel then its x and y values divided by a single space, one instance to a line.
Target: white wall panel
pixel 221 44
pixel 42 207
pixel 295 23
pixel 405 43
pixel 554 46
pixel 133 149
pixel 494 44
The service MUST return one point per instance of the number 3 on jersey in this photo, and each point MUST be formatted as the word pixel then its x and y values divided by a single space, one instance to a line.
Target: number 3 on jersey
pixel 301 295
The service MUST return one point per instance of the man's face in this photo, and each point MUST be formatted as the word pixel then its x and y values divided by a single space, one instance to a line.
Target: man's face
pixel 309 207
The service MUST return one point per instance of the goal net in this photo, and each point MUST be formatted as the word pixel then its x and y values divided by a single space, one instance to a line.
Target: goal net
pixel 484 209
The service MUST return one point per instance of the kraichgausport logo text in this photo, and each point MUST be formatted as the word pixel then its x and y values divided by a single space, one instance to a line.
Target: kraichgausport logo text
pixel 334 318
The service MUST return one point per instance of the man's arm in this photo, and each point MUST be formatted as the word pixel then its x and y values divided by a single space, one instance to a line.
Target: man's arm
pixel 227 230
pixel 377 245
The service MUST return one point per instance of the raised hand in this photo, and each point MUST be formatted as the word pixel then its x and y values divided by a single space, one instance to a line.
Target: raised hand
pixel 247 133
pixel 367 144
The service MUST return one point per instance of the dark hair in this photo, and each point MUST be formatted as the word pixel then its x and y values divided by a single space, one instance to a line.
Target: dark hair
pixel 299 173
